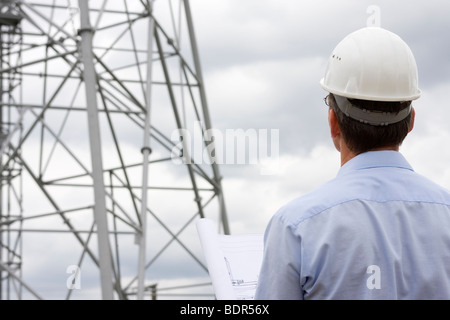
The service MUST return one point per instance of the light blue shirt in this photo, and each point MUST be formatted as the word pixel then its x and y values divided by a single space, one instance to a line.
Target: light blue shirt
pixel 376 231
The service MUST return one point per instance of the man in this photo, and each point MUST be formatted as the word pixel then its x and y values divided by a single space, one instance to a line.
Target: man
pixel 378 230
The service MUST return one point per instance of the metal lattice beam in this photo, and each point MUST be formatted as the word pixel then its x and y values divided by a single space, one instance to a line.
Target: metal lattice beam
pixel 94 97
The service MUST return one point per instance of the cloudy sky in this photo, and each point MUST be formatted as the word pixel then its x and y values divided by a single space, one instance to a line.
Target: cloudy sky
pixel 262 61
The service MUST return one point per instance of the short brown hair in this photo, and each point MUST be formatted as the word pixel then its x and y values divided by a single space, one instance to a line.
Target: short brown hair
pixel 362 137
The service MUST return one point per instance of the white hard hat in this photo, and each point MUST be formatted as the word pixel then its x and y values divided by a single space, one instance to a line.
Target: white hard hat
pixel 372 64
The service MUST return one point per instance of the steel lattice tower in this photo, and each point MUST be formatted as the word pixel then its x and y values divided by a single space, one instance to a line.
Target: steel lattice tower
pixel 98 198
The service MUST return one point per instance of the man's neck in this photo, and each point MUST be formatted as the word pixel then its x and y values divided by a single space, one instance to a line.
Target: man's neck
pixel 346 155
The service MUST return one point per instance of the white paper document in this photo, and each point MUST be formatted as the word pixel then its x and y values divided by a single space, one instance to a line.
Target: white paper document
pixel 233 261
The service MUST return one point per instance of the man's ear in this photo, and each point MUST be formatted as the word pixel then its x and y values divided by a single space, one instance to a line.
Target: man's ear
pixel 333 123
pixel 413 117
pixel 334 129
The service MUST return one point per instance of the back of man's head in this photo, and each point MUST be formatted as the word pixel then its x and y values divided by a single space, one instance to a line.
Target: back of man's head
pixel 372 78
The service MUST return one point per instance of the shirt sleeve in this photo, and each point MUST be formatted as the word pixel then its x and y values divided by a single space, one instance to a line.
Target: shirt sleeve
pixel 279 277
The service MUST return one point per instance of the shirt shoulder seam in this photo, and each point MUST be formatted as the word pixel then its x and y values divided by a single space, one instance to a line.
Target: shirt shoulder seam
pixel 296 223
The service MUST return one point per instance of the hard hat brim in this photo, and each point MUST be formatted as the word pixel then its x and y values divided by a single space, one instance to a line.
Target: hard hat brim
pixel 351 95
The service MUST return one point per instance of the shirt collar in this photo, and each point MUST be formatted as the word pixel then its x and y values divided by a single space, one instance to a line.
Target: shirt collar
pixel 376 159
